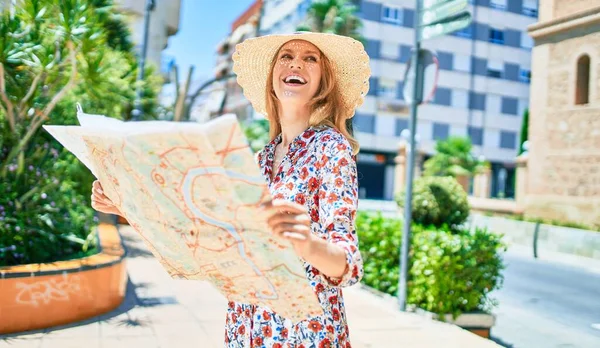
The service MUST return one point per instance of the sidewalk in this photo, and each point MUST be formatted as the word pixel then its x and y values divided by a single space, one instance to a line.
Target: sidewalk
pixel 161 312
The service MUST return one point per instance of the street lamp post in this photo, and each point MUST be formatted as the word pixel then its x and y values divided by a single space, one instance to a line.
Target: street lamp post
pixel 137 104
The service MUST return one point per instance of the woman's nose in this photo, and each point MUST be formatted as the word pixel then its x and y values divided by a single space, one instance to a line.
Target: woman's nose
pixel 295 64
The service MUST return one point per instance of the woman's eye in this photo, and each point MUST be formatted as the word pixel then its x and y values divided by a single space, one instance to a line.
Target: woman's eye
pixel 286 56
pixel 312 59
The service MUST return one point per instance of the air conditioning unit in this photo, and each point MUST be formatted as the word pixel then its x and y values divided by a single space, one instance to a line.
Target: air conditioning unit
pixel 395 106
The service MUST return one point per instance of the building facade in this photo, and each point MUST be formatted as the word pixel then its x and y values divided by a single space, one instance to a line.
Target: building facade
pixel 232 97
pixel 164 23
pixel 563 161
pixel 482 91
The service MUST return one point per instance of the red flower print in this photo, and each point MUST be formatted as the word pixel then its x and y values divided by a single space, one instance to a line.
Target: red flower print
pixel 304 173
pixel 258 341
pixel 247 312
pixel 341 147
pixel 343 162
pixel 325 343
pixel 314 215
pixel 289 186
pixel 333 300
pixel 330 328
pixel 339 182
pixel 308 134
pixel 315 271
pixel 315 326
pixel 313 184
pixel 242 330
pixel 300 199
pixel 332 198
pixel 322 194
pixel 231 305
pixel 336 314
pixel 284 333
pixel 301 144
pixel 267 331
pixel 354 272
pixel 277 345
pixel 266 315
pixel 325 138
pixel 278 196
pixel 278 186
pixel 319 288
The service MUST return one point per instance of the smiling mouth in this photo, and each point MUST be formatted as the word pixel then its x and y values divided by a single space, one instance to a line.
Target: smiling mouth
pixel 294 80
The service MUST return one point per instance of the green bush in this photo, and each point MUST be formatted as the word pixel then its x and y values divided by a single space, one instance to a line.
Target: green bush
pixel 438 201
pixel 450 272
pixel 455 272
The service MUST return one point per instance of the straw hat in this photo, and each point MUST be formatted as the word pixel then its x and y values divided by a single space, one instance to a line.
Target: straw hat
pixel 252 63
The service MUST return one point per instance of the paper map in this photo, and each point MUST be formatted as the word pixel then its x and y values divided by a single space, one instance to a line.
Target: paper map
pixel 192 191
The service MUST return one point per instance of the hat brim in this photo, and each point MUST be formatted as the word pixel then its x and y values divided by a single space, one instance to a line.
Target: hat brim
pixel 350 63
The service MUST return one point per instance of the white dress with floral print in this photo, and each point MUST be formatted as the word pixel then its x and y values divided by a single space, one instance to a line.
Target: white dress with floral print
pixel 319 172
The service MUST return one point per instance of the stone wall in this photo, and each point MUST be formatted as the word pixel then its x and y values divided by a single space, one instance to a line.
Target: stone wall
pixel 563 180
pixel 564 8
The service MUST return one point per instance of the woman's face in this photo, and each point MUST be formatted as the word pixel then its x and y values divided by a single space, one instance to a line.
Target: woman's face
pixel 297 72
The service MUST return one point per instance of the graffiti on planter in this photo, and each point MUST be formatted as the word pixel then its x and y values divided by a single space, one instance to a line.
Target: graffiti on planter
pixel 46 291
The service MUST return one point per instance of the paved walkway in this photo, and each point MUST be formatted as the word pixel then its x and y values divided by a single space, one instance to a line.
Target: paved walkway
pixel 161 312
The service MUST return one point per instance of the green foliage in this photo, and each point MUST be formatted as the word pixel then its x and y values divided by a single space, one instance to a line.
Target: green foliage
pixel 453 158
pixel 454 273
pixel 380 240
pixel 524 130
pixel 54 54
pixel 450 272
pixel 257 133
pixel 333 16
pixel 438 201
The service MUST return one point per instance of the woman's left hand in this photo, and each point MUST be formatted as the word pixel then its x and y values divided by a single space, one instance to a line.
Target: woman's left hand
pixel 291 221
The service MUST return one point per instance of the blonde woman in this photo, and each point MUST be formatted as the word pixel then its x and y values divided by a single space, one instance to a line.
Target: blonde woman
pixel 307 85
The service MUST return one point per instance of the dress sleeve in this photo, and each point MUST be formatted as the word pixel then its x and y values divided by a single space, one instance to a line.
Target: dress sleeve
pixel 338 202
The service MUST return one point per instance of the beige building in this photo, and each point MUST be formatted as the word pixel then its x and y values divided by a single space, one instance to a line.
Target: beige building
pixel 562 168
pixel 164 23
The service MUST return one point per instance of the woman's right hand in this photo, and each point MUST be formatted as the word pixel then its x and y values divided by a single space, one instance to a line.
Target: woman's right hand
pixel 102 203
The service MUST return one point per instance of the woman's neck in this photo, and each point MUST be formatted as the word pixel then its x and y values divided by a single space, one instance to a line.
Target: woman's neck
pixel 294 121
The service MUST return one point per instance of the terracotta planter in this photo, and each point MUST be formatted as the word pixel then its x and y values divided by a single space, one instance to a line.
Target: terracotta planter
pixel 477 323
pixel 38 296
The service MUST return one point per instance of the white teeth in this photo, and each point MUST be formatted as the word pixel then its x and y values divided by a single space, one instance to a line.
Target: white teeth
pixel 295 77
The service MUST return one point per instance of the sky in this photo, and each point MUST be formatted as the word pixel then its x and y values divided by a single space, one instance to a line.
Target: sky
pixel 203 24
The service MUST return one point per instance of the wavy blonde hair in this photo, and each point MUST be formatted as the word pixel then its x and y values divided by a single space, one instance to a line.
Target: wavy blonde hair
pixel 326 105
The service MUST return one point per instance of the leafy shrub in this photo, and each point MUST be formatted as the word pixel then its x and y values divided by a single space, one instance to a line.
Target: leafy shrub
pixel 455 272
pixel 42 217
pixel 449 272
pixel 438 201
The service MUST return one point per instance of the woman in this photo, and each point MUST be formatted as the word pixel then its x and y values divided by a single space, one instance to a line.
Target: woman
pixel 308 85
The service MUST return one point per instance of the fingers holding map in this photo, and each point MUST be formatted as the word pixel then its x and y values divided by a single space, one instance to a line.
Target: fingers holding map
pixel 193 193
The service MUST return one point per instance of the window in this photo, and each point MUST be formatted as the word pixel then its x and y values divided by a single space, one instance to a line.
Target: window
pixel 508 140
pixel 530 8
pixel 525 75
pixel 391 14
pixel 464 32
pixel 476 135
pixel 510 106
pixel 401 124
pixel 495 69
pixel 389 50
pixel 364 123
pixel 582 92
pixel 526 40
pixel 443 96
pixel 440 131
pixel 496 36
pixel 476 101
pixel 387 88
pixel 498 4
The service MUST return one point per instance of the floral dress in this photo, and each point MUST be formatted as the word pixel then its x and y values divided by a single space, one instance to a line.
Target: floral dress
pixel 319 172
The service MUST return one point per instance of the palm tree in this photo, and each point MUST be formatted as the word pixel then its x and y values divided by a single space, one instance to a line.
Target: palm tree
pixel 336 17
pixel 333 16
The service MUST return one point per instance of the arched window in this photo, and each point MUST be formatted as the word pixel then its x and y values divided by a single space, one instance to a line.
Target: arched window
pixel 582 93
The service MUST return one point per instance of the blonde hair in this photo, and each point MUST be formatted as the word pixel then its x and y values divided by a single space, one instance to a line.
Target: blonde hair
pixel 326 105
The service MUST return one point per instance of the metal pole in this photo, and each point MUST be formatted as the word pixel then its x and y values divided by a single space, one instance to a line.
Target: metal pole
pixel 416 99
pixel 137 104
